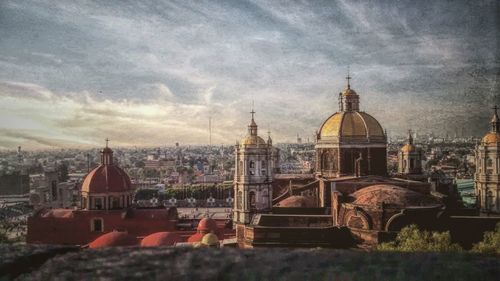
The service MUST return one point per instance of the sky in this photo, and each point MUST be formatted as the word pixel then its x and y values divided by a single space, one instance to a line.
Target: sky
pixel 151 73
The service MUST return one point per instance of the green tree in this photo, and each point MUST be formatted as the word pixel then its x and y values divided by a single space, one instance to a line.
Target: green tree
pixel 411 239
pixel 490 243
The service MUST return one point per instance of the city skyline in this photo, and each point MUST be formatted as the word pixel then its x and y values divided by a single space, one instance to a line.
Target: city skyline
pixel 150 74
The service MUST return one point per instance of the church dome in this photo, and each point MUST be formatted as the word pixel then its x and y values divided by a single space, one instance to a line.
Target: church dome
pixel 113 239
pixel 106 177
pixel 160 239
pixel 391 195
pixel 491 139
pixel 408 148
pixel 253 140
pixel 297 201
pixel 351 124
pixel 207 225
pixel 349 92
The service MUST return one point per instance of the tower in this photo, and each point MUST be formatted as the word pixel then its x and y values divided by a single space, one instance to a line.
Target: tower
pixel 350 141
pixel 253 178
pixel 487 176
pixel 410 158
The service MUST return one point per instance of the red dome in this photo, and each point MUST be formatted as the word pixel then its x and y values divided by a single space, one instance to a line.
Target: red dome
pixel 106 178
pixel 196 237
pixel 297 201
pixel 113 239
pixel 207 225
pixel 160 239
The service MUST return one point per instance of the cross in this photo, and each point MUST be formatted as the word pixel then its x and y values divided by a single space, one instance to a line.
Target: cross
pixel 348 78
pixel 495 108
pixel 252 112
pixel 107 140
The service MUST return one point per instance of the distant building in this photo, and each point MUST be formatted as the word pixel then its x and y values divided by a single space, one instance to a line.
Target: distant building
pixel 487 177
pixel 410 158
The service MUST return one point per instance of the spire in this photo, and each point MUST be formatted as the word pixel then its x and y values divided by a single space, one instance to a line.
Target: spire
pixel 410 137
pixel 252 128
pixel 495 123
pixel 348 78
pixel 269 140
pixel 107 155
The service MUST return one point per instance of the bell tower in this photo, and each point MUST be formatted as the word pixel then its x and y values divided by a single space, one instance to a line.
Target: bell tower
pixel 253 178
pixel 487 176
pixel 410 158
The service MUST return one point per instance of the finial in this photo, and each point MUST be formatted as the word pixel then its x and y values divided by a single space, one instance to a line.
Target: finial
pixel 410 137
pixel 495 108
pixel 348 77
pixel 107 140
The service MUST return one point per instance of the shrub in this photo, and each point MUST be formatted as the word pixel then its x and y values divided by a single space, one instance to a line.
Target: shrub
pixel 411 239
pixel 490 243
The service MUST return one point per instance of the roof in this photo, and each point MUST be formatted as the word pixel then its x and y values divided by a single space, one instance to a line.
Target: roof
pixel 195 238
pixel 408 148
pixel 349 92
pixel 207 225
pixel 491 139
pixel 253 140
pixel 210 239
pixel 161 239
pixel 113 239
pixel 351 124
pixel 106 178
pixel 391 195
pixel 297 201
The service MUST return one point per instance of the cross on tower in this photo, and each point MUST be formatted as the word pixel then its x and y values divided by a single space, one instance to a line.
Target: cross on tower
pixel 107 140
pixel 495 108
pixel 348 78
pixel 252 112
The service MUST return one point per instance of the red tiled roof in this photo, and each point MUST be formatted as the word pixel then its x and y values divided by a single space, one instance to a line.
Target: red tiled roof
pixel 106 178
pixel 161 239
pixel 113 239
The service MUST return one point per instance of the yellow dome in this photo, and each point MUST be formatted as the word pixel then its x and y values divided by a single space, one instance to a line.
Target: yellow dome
pixel 351 124
pixel 252 140
pixel 210 239
pixel 408 148
pixel 491 139
pixel 349 92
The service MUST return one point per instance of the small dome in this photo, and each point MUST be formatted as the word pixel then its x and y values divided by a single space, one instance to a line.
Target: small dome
pixel 210 239
pixel 408 148
pixel 113 239
pixel 207 225
pixel 253 140
pixel 160 239
pixel 195 238
pixel 297 202
pixel 349 92
pixel 491 139
pixel 352 124
pixel 106 178
pixel 391 195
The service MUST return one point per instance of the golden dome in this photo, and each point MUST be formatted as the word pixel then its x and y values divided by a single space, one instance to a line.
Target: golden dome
pixel 408 148
pixel 252 140
pixel 351 124
pixel 349 92
pixel 210 239
pixel 491 139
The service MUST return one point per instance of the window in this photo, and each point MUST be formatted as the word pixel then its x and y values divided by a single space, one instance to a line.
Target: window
pixel 252 164
pixel 98 203
pixel 114 202
pixel 251 200
pixel 84 202
pixel 97 225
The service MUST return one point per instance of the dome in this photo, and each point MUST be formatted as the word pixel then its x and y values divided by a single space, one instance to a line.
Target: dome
pixel 351 124
pixel 106 178
pixel 113 239
pixel 207 225
pixel 491 139
pixel 408 148
pixel 349 92
pixel 253 140
pixel 195 238
pixel 391 195
pixel 297 202
pixel 210 239
pixel 160 239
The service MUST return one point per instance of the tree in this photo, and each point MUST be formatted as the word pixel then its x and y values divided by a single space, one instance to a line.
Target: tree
pixel 411 239
pixel 490 243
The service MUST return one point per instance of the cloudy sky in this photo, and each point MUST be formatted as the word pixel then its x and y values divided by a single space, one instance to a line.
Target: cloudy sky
pixel 149 73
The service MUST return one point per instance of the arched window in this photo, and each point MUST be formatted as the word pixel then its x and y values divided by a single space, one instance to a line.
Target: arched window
pixel 251 200
pixel 252 164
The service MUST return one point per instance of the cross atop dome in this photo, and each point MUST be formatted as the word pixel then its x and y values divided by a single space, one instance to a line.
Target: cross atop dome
pixel 107 141
pixel 495 124
pixel 348 77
